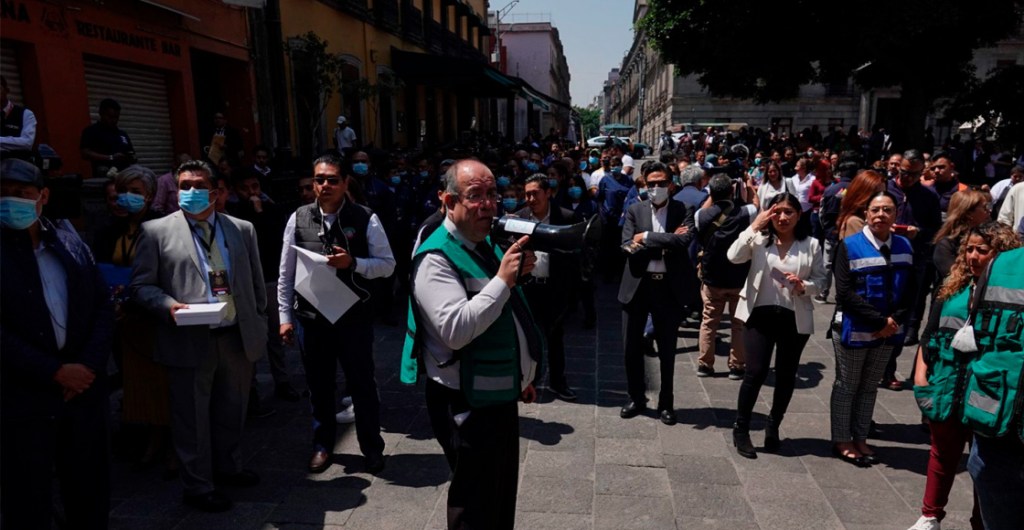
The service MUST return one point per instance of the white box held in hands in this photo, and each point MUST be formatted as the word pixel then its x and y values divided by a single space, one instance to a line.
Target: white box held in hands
pixel 201 314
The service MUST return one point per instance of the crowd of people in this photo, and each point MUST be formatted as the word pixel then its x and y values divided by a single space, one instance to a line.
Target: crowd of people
pixel 765 228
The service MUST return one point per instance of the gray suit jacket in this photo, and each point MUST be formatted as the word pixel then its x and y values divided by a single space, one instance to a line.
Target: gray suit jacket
pixel 167 270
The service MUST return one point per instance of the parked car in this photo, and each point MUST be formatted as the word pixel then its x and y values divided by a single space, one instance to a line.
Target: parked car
pixel 600 141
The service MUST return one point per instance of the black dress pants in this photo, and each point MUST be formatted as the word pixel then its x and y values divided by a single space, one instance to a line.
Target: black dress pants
pixel 350 342
pixel 549 306
pixel 652 297
pixel 74 442
pixel 770 328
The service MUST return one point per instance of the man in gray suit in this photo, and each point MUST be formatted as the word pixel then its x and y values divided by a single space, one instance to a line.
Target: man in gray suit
pixel 197 256
pixel 657 234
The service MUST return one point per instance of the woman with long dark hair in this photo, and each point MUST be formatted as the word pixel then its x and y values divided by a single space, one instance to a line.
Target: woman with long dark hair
pixel 787 270
pixel 874 278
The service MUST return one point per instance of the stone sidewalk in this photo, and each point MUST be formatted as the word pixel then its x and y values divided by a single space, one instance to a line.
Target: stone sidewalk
pixel 582 466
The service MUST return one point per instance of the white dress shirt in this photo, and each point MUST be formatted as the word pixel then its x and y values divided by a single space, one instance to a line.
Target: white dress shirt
pixel 771 292
pixel 659 218
pixel 379 264
pixel 803 189
pixel 450 320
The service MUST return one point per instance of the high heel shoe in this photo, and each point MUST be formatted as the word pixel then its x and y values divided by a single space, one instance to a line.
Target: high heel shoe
pixel 858 461
pixel 771 436
pixel 741 440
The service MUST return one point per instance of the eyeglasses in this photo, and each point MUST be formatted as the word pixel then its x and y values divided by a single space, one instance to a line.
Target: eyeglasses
pixel 658 184
pixel 972 249
pixel 888 210
pixel 908 174
pixel 938 167
pixel 477 197
pixel 333 181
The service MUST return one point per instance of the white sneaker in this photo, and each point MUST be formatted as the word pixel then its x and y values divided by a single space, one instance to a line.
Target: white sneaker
pixel 346 416
pixel 926 523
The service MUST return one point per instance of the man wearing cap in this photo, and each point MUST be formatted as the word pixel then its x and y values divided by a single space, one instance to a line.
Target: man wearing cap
pixel 55 339
pixel 201 256
pixel 344 137
pixel 104 145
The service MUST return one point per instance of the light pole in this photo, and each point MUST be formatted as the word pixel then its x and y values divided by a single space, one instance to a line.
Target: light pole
pixel 497 32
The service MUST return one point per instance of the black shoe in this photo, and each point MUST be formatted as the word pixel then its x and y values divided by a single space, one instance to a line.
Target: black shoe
pixel 736 374
pixel 631 409
pixel 821 298
pixel 771 436
pixel 870 458
pixel 243 479
pixel 741 440
pixel 211 502
pixel 374 463
pixel 704 370
pixel 668 416
pixel 858 461
pixel 563 392
pixel 286 392
pixel 911 338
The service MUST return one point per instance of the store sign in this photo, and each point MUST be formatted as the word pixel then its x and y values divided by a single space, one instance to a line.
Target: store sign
pixel 100 32
pixel 14 11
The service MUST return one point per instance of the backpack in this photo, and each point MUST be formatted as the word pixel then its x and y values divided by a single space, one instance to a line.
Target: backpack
pixel 704 237
pixel 828 215
pixel 993 398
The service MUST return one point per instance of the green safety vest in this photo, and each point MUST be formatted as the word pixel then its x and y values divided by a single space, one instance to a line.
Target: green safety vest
pixel 489 370
pixel 992 399
pixel 947 367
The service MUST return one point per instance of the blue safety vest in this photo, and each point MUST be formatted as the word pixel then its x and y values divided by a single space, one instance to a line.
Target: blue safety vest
pixel 881 284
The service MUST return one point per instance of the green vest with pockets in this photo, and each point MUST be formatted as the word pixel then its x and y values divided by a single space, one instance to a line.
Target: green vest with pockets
pixel 993 400
pixel 489 369
pixel 947 367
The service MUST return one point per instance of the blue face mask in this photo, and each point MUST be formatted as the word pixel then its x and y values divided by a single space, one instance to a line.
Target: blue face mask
pixel 509 204
pixel 616 171
pixel 532 166
pixel 17 213
pixel 643 194
pixel 194 201
pixel 553 183
pixel 424 174
pixel 132 202
pixel 503 182
pixel 583 165
pixel 757 161
pixel 575 192
pixel 396 180
pixel 360 168
pixel 594 161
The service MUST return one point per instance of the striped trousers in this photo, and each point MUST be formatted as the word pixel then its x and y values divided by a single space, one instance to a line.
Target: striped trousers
pixel 858 371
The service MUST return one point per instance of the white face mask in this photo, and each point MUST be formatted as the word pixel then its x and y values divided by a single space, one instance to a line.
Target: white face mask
pixel 657 195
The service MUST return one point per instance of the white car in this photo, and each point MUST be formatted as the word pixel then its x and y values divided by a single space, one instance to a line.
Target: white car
pixel 600 141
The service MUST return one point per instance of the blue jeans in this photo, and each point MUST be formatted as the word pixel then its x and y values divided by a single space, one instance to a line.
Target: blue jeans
pixel 997 468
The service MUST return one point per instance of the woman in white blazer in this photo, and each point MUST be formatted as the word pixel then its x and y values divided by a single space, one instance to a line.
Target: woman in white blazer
pixel 787 269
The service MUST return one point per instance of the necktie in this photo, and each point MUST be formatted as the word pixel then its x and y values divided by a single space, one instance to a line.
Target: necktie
pixel 217 264
pixel 519 307
pixel 886 253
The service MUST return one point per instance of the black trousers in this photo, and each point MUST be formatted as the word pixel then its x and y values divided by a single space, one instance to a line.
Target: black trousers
pixel 770 328
pixel 549 305
pixel 443 404
pixel 349 342
pixel 75 444
pixel 652 297
pixel 482 495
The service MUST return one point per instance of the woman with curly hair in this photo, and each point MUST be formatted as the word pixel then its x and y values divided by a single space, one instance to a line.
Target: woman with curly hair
pixel 939 366
pixel 967 209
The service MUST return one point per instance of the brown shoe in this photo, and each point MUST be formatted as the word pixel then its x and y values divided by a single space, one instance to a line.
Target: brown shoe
pixel 320 462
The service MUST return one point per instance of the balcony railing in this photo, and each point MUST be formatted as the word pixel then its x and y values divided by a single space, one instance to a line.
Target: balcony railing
pixel 385 13
pixel 412 24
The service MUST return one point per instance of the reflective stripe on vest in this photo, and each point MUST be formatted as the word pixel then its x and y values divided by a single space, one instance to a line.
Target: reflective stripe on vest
pixel 880 284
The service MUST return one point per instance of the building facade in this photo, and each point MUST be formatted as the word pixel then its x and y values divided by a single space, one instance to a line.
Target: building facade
pixel 171 66
pixel 532 52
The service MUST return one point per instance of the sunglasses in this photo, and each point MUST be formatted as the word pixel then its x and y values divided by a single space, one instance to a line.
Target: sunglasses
pixel 658 184
pixel 333 181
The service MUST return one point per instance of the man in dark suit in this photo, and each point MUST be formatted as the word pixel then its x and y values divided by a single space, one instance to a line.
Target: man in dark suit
pixel 556 276
pixel 657 235
pixel 55 339
pixel 198 256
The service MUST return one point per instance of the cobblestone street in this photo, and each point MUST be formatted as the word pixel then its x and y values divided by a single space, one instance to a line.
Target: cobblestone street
pixel 582 466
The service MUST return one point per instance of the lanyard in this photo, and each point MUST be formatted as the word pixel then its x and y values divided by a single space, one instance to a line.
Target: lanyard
pixel 207 245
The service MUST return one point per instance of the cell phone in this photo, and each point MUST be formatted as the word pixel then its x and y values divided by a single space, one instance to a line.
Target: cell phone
pixel 779 276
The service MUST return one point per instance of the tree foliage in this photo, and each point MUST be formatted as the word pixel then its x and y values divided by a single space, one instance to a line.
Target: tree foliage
pixel 590 120
pixel 317 76
pixel 999 100
pixel 766 50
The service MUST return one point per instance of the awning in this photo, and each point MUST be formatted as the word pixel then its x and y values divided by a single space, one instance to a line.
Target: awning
pixel 478 78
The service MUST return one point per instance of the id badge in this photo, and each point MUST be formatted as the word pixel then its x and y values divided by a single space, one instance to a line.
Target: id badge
pixel 219 283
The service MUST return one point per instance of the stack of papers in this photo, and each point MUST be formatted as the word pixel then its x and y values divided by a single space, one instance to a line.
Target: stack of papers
pixel 201 314
pixel 318 283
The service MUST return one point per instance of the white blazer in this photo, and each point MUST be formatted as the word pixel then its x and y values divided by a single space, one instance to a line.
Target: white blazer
pixel 750 246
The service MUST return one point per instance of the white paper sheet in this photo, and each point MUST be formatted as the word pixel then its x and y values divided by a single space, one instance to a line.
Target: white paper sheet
pixel 200 314
pixel 318 283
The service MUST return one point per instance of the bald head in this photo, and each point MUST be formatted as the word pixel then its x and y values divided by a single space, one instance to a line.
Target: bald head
pixel 471 198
